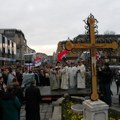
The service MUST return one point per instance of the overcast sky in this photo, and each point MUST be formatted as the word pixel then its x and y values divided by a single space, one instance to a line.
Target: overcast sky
pixel 46 22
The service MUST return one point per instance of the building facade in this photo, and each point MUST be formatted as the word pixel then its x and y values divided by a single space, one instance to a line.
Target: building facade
pixel 18 37
pixel 112 55
pixel 7 51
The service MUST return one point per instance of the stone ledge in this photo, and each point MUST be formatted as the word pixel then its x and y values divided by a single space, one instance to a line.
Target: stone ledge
pixel 56 113
pixel 58 102
pixel 116 109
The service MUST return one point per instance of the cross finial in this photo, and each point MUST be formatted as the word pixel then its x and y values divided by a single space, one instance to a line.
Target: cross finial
pixel 93 46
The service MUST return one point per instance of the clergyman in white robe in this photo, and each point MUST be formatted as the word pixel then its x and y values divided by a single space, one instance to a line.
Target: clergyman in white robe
pixel 64 78
pixel 53 80
pixel 72 80
pixel 81 76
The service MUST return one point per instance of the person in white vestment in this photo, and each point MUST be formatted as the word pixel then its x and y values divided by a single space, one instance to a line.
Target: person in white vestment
pixel 58 75
pixel 53 81
pixel 80 75
pixel 72 73
pixel 64 77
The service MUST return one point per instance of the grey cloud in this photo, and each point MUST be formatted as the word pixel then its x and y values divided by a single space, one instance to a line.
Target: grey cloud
pixel 49 21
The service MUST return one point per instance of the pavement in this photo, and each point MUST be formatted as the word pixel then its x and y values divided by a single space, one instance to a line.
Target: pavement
pixel 45 111
pixel 47 108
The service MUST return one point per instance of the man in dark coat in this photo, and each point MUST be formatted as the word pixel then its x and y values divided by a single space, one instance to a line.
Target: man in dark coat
pixel 32 97
pixel 1 96
pixel 106 78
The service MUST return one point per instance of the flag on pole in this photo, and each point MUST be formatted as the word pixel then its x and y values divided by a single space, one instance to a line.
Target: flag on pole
pixel 98 56
pixel 37 62
pixel 62 54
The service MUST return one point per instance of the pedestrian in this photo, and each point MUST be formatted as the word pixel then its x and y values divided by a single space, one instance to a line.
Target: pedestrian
pixel 11 76
pixel 53 81
pixel 19 76
pixel 58 75
pixel 10 105
pixel 118 81
pixel 32 105
pixel 1 95
pixel 4 75
pixel 18 91
pixel 100 82
pixel 106 78
pixel 64 77
pixel 37 78
pixel 81 70
pixel 42 77
pixel 47 77
pixel 72 75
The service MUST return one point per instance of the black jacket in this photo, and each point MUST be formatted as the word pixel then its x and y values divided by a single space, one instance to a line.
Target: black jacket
pixel 32 97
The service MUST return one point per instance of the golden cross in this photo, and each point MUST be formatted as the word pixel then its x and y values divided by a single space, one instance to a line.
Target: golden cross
pixel 92 46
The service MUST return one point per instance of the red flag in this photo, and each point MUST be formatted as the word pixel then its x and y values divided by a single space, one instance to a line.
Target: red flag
pixel 37 59
pixel 97 56
pixel 62 54
pixel 37 62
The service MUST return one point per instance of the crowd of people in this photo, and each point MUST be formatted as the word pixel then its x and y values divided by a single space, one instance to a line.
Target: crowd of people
pixel 19 83
pixel 61 76
pixel 12 95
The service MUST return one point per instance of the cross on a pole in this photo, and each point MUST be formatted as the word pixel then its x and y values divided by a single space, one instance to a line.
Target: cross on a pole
pixel 92 46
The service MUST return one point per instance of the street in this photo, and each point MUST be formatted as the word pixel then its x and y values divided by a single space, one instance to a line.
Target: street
pixel 46 108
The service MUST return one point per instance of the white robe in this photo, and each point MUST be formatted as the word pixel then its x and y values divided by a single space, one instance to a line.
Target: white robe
pixel 72 80
pixel 58 77
pixel 53 81
pixel 81 76
pixel 64 78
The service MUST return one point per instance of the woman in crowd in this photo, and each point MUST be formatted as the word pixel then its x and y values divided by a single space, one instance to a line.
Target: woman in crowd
pixel 1 95
pixel 10 105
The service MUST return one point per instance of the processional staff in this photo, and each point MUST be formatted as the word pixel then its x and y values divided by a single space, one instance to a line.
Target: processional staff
pixel 93 46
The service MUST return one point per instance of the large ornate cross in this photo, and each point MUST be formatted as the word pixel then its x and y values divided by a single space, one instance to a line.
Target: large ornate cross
pixel 92 46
